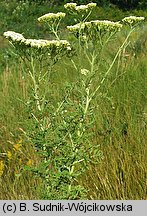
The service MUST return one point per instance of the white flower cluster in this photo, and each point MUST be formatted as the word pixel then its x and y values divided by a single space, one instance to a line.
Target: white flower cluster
pixel 51 17
pixel 47 44
pixel 76 28
pixel 51 46
pixel 73 8
pixel 106 25
pixel 132 20
pixel 84 71
pixel 13 36
pixel 90 29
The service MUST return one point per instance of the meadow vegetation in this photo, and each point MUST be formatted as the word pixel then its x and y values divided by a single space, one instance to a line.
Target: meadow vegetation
pixel 72 123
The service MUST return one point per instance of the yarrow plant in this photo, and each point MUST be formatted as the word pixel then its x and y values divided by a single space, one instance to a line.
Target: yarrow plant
pixel 62 133
pixel 83 11
pixel 62 44
pixel 53 49
pixel 72 7
pixel 13 36
pixel 38 44
pixel 51 17
pixel 132 20
pixel 52 21
pixel 95 30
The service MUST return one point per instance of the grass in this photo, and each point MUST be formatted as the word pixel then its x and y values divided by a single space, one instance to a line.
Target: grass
pixel 120 114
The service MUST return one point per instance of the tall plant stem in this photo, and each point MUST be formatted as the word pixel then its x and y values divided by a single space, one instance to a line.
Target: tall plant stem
pixel 88 99
pixel 109 69
pixel 33 77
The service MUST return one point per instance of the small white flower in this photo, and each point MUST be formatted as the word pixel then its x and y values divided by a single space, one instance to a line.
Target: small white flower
pixel 84 38
pixel 84 71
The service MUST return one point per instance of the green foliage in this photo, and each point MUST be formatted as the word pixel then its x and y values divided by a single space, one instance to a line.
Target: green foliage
pixel 124 4
pixel 130 4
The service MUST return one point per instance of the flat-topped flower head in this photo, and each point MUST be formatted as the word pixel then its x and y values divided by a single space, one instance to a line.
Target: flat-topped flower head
pixel 132 20
pixel 81 9
pixel 91 5
pixel 51 47
pixel 13 36
pixel 49 44
pixel 70 6
pixel 64 44
pixel 93 29
pixel 36 43
pixel 76 28
pixel 51 17
pixel 106 25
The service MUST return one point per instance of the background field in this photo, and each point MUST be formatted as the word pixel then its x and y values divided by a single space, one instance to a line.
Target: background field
pixel 120 114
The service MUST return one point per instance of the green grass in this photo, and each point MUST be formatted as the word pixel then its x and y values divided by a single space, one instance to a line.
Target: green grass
pixel 120 114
